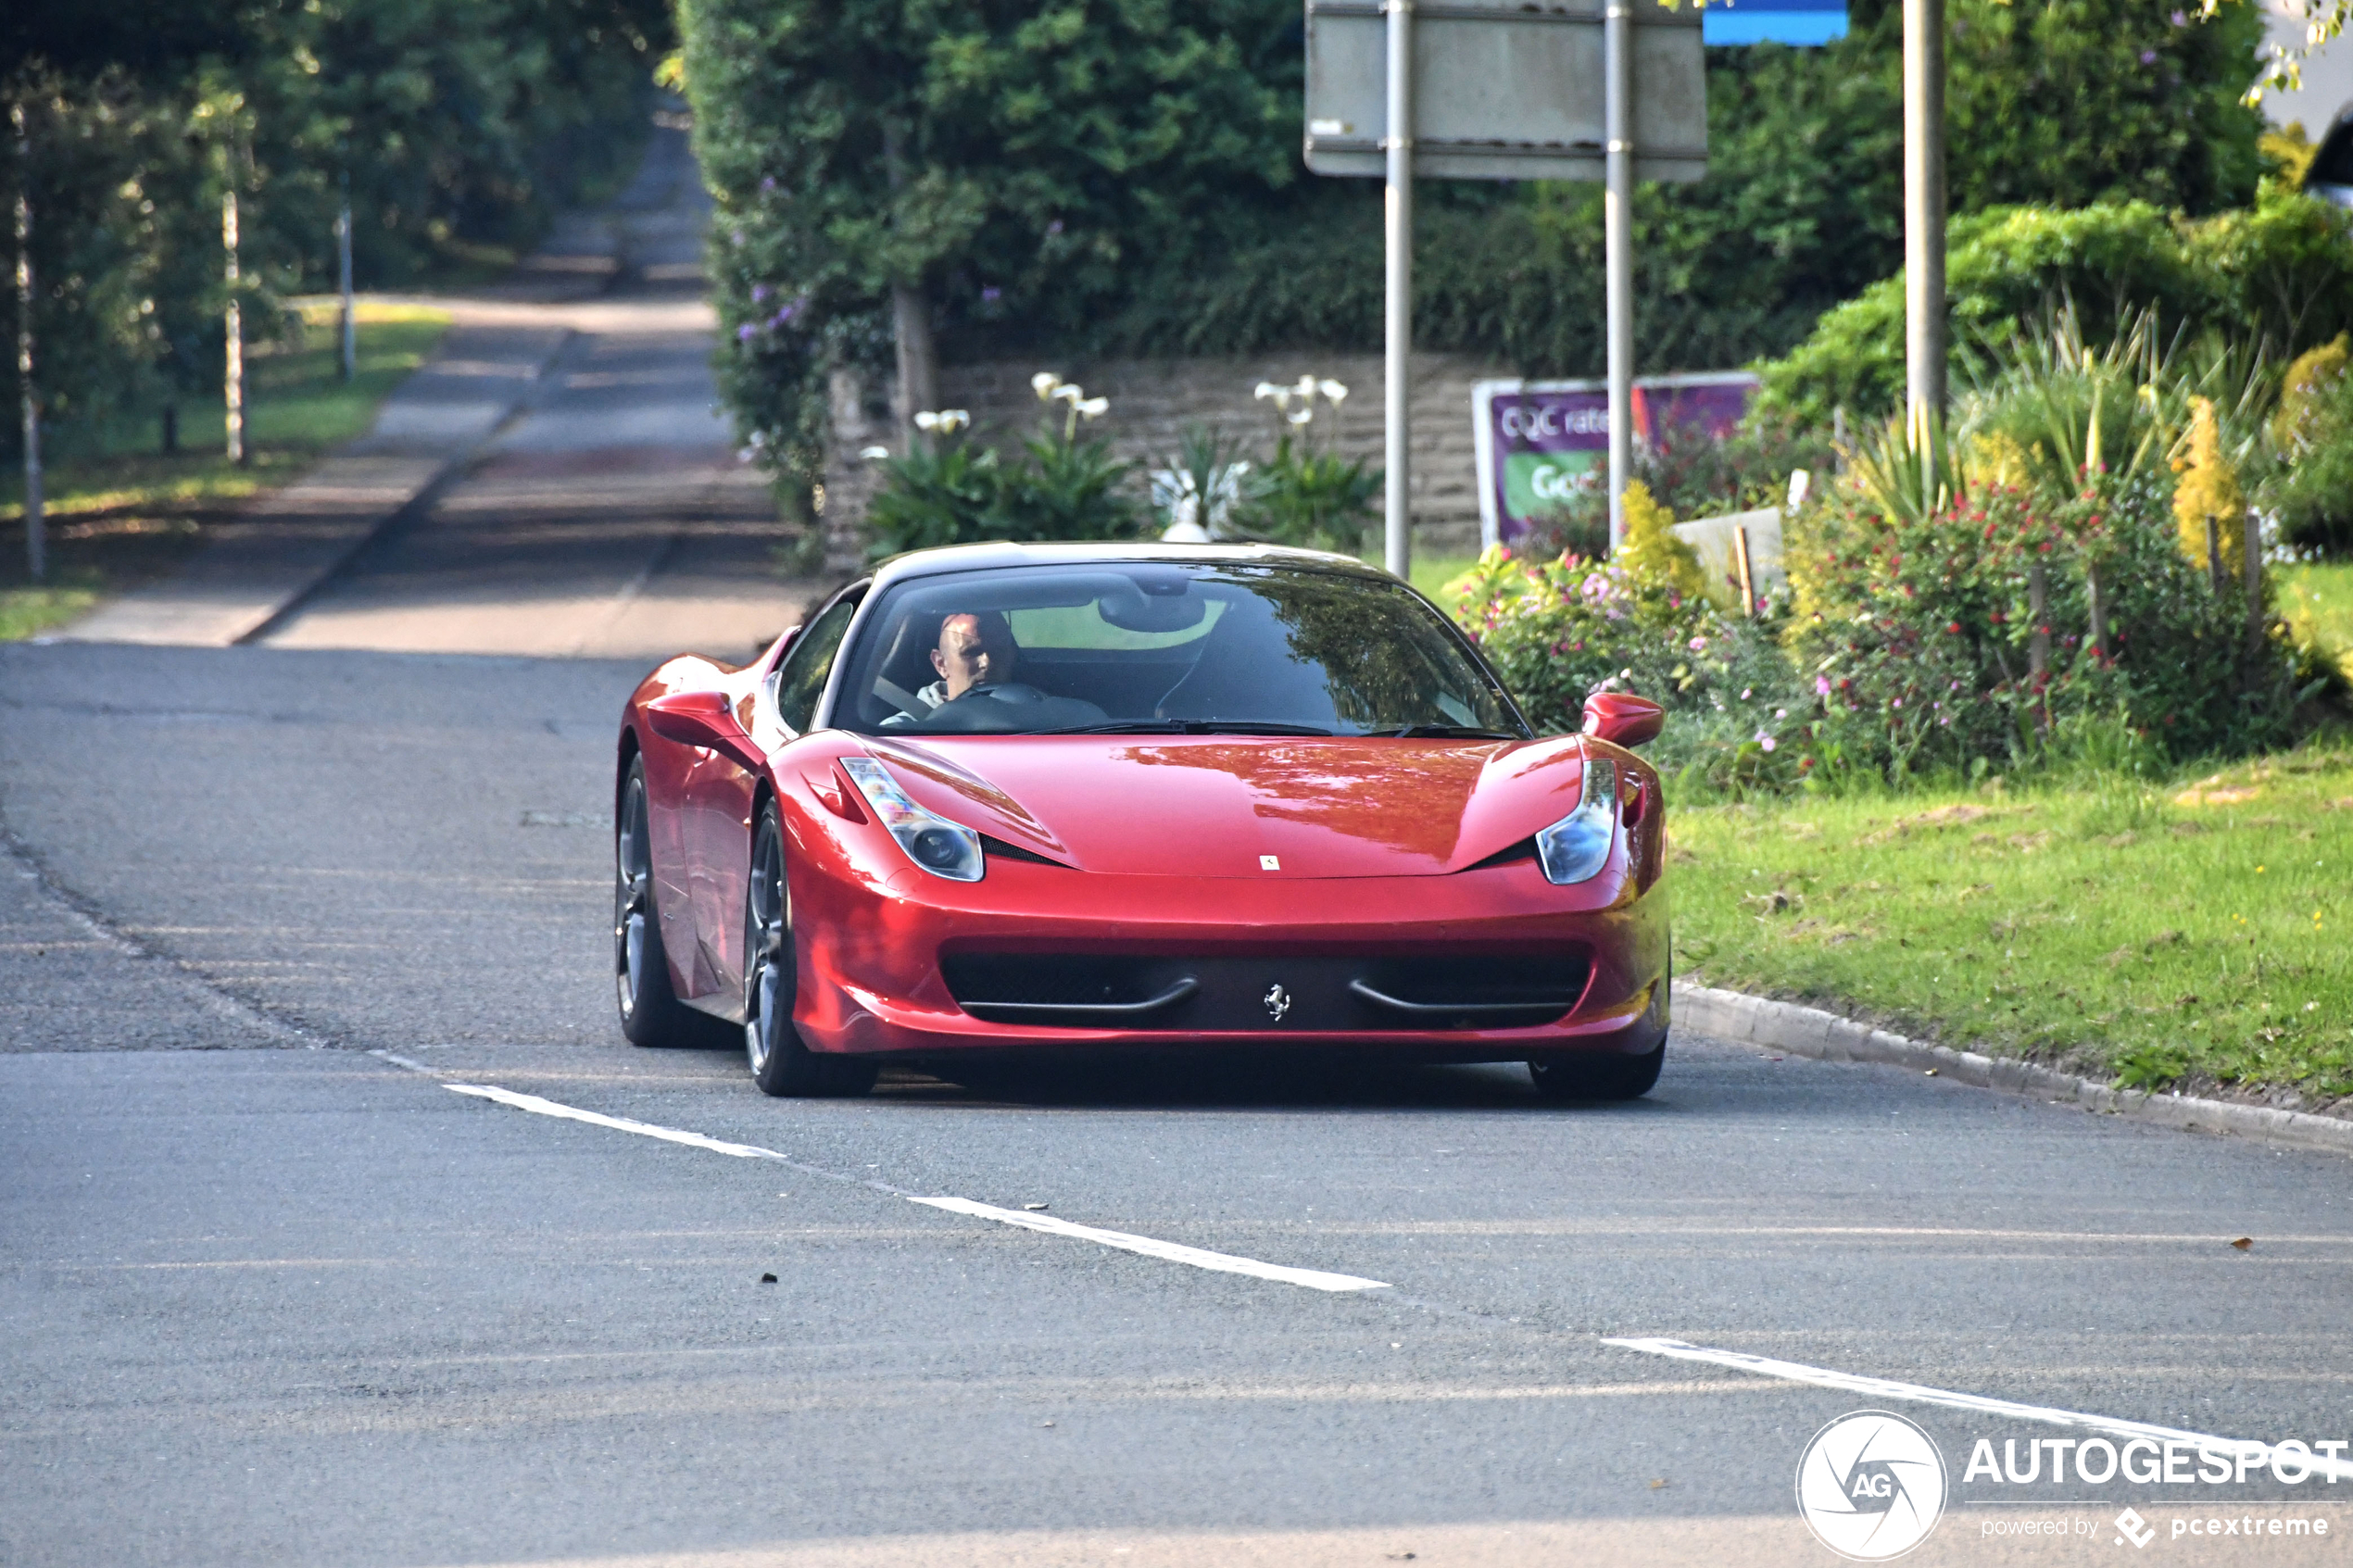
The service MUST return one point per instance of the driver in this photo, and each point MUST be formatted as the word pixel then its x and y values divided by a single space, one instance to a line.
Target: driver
pixel 975 657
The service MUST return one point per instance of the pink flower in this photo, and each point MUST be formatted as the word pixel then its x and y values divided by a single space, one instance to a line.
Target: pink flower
pixel 1699 645
pixel 1821 686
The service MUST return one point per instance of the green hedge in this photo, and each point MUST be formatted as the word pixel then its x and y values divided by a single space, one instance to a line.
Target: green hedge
pixel 2281 271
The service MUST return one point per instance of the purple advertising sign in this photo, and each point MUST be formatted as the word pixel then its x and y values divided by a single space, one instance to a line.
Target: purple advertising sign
pixel 1538 441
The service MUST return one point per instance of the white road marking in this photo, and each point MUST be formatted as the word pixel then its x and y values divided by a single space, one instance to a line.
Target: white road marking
pixel 1220 1263
pixel 1168 1251
pixel 1884 1388
pixel 618 1123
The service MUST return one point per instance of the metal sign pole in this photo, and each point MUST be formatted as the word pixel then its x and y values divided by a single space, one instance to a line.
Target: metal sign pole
pixel 1924 216
pixel 1618 147
pixel 1399 315
pixel 350 324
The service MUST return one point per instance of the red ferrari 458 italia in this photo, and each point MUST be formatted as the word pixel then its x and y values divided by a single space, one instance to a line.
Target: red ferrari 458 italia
pixel 1107 799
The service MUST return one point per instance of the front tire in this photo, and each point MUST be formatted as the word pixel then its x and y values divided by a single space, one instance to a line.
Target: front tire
pixel 1597 1075
pixel 1607 1075
pixel 651 1013
pixel 781 1063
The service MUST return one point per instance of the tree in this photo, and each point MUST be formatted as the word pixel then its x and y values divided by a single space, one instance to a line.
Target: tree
pixel 886 168
pixel 462 124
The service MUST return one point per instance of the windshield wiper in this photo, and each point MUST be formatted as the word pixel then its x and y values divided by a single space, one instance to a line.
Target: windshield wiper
pixel 1443 732
pixel 1188 727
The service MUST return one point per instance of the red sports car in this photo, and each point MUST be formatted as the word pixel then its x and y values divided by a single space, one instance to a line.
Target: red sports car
pixel 1018 798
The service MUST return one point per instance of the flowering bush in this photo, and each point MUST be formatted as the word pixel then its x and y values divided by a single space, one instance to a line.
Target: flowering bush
pixel 952 492
pixel 1916 634
pixel 1558 631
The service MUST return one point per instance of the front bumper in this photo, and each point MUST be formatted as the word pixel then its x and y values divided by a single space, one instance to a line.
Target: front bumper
pixel 872 945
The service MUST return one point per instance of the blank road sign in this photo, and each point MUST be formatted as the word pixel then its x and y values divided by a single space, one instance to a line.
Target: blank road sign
pixel 1504 92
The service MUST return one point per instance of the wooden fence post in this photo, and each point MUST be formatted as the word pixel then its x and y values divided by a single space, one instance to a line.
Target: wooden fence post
pixel 1748 584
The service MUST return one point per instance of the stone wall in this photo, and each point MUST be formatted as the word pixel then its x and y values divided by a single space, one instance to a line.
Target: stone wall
pixel 1154 400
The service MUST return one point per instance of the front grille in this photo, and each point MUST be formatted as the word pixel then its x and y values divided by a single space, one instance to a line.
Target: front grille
pixel 1208 995
pixel 1059 980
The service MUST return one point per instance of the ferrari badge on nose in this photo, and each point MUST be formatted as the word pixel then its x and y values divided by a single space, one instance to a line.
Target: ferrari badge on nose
pixel 1277 1002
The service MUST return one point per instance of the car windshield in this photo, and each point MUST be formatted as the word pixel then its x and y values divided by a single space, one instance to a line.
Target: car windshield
pixel 1164 647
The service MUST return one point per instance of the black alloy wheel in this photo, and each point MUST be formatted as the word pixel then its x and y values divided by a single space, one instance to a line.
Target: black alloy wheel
pixel 651 1013
pixel 781 1064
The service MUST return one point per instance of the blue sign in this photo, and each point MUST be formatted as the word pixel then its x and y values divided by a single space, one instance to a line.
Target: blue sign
pixel 1773 21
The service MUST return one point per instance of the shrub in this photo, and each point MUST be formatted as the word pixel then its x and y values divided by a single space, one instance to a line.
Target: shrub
pixel 1060 487
pixel 1315 501
pixel 2314 429
pixel 1650 553
pixel 1559 630
pixel 2281 273
pixel 1915 630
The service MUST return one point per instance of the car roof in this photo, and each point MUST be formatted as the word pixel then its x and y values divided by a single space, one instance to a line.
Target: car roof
pixel 999 554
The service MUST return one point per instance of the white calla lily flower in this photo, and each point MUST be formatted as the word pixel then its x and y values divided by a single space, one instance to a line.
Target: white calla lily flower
pixel 1335 393
pixel 1093 407
pixel 1044 382
pixel 873 454
pixel 1071 393
pixel 1302 416
pixel 954 418
pixel 926 420
pixel 1306 386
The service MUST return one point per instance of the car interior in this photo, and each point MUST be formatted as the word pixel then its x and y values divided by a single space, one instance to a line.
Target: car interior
pixel 1137 644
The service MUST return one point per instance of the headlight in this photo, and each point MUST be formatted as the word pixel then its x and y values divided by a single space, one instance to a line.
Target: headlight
pixel 1577 847
pixel 941 846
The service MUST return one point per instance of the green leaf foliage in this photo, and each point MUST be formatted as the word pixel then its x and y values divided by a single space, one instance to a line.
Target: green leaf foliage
pixel 457 126
pixel 959 494
pixel 1313 500
pixel 2280 271
pixel 1122 176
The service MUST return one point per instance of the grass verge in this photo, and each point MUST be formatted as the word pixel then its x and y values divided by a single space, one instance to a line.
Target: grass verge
pixel 120 513
pixel 2191 936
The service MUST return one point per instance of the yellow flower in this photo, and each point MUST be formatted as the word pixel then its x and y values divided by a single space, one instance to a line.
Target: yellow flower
pixel 1651 552
pixel 2207 488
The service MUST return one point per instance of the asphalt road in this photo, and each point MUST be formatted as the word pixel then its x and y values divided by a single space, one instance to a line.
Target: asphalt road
pixel 611 517
pixel 272 1299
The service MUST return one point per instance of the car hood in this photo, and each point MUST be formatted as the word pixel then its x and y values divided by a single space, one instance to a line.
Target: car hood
pixel 1216 805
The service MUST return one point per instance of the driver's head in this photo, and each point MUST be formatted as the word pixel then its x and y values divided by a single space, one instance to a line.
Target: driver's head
pixel 975 649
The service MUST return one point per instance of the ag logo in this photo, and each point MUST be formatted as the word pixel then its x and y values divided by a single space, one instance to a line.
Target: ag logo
pixel 1870 1485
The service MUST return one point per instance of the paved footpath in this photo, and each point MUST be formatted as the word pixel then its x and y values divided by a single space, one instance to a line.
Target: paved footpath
pixel 557 480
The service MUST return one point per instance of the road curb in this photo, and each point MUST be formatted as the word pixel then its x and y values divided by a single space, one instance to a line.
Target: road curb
pixel 1810 1032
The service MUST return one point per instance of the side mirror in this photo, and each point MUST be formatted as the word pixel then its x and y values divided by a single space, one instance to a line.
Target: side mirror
pixel 704 718
pixel 1623 719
